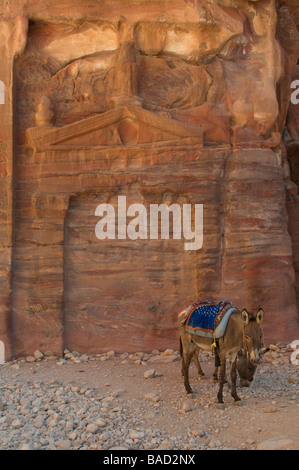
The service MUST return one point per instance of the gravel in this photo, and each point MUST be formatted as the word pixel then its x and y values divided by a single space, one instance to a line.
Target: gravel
pixel 137 401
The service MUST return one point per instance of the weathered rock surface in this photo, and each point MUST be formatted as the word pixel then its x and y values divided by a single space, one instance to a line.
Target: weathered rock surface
pixel 291 142
pixel 162 102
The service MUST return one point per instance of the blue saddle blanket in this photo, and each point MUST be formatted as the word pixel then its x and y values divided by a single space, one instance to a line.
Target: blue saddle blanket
pixel 208 319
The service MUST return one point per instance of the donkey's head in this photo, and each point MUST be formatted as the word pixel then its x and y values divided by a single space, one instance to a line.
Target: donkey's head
pixel 252 335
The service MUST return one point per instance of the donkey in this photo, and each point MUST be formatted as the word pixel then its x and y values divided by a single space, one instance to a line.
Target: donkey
pixel 243 328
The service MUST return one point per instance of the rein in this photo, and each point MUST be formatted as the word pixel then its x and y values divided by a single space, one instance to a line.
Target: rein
pixel 255 372
pixel 251 383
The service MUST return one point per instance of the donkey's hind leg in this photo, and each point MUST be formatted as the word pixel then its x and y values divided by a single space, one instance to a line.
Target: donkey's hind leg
pixel 186 359
pixel 187 352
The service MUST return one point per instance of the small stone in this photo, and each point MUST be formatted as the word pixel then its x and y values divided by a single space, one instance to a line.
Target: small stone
pixel 92 428
pixel 100 423
pixel 155 352
pixel 152 396
pixel 63 444
pixel 76 360
pixel 16 423
pixel 165 445
pixel 198 432
pixel 69 425
pixel 274 444
pixel 75 354
pixel 30 359
pixel 163 359
pixel 110 353
pixel 38 354
pixel 149 374
pixel 273 347
pixel 116 409
pixel 135 434
pixel 123 356
pixel 104 436
pixel 53 423
pixel 49 353
pixel 139 354
pixel 39 422
pixel 168 352
pixel 104 358
pixel 249 442
pixel 270 410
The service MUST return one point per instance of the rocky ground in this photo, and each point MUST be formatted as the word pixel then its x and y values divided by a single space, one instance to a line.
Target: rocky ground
pixel 137 401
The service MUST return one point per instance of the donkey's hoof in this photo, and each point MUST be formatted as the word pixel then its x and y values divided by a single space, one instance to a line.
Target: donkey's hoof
pixel 237 399
pixel 238 403
pixel 189 391
pixel 220 399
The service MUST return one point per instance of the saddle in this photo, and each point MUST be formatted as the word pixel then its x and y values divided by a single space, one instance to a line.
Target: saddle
pixel 204 318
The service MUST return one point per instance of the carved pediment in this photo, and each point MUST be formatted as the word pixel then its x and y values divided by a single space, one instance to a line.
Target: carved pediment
pixel 125 125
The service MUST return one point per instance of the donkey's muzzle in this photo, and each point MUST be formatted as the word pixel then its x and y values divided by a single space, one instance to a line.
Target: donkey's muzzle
pixel 255 360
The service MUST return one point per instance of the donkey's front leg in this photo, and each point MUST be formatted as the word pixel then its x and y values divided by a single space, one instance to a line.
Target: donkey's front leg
pixel 233 376
pixel 197 364
pixel 221 379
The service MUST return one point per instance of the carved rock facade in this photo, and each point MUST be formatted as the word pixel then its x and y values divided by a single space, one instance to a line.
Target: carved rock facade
pixel 162 102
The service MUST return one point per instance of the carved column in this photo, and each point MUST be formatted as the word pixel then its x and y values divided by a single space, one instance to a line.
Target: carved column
pixel 125 88
pixel 12 41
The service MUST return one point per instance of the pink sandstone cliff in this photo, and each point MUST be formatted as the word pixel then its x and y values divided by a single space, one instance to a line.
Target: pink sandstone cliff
pixel 175 102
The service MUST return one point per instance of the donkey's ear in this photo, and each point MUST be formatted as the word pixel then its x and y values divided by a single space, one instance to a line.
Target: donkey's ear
pixel 260 315
pixel 245 316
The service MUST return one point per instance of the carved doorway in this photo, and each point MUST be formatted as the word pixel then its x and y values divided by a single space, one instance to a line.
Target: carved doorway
pixel 121 294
